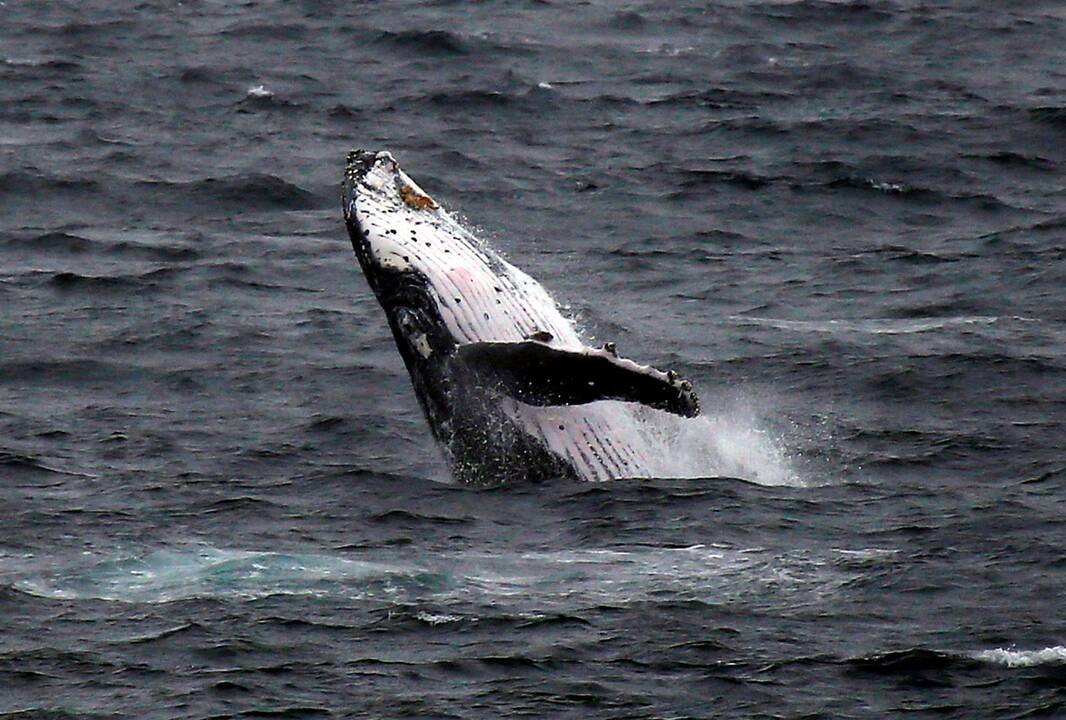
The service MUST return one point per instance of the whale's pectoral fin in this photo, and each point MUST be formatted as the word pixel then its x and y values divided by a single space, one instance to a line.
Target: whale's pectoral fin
pixel 538 374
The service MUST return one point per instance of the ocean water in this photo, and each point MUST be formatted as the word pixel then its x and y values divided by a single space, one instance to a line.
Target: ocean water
pixel 844 221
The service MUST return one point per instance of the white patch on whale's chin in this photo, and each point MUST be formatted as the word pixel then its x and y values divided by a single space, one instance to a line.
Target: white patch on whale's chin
pixel 421 345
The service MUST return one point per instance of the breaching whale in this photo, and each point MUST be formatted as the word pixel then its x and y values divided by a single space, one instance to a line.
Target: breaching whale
pixel 507 386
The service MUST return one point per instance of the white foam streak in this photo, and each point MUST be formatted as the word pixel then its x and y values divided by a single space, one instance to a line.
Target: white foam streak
pixel 1023 658
pixel 873 326
pixel 435 619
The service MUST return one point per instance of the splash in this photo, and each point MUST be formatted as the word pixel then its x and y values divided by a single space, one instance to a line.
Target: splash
pixel 732 443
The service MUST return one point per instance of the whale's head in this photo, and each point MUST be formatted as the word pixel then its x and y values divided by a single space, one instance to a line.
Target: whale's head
pixel 391 221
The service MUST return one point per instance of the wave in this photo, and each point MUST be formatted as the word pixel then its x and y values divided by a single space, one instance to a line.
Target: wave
pixel 169 575
pixel 913 192
pixel 76 282
pixel 49 242
pixel 25 183
pixel 262 31
pixel 1019 239
pixel 871 326
pixel 81 28
pixel 17 68
pixel 719 99
pixel 152 252
pixel 510 93
pixel 701 178
pixel 627 20
pixel 261 285
pixel 343 112
pixel 910 256
pixel 473 98
pixel 406 518
pixel 1007 158
pixel 200 74
pixel 920 660
pixel 14 462
pixel 1049 114
pixel 431 42
pixel 812 177
pixel 62 370
pixel 689 180
pixel 709 244
pixel 248 191
pixel 233 192
pixel 68 243
pixel 913 660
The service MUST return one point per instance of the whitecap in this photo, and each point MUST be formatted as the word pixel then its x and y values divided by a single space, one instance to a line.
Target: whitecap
pixel 888 187
pixel 871 326
pixel 260 91
pixel 434 619
pixel 1023 658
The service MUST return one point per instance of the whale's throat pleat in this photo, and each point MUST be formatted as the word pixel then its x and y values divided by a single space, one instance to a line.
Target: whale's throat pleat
pixel 481 296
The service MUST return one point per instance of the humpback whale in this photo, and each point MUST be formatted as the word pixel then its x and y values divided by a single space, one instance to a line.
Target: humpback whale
pixel 508 388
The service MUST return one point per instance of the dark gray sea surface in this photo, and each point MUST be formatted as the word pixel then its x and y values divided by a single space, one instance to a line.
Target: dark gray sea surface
pixel 844 221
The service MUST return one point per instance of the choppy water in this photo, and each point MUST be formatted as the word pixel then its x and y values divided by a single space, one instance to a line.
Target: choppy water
pixel 844 220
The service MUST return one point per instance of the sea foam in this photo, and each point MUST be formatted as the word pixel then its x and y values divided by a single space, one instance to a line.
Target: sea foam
pixel 1023 658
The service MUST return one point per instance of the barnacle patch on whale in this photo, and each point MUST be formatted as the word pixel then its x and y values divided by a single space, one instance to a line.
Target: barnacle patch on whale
pixel 415 198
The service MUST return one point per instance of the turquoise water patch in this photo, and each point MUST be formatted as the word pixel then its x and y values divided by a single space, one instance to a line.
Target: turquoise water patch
pixel 525 580
pixel 168 575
